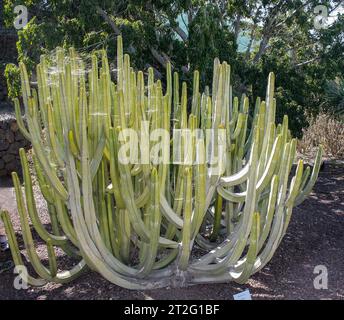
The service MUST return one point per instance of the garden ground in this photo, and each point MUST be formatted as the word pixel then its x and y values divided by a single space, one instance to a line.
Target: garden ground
pixel 315 237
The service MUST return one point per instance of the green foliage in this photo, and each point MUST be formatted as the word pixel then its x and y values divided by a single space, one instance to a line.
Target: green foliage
pixel 12 74
pixel 335 94
pixel 190 34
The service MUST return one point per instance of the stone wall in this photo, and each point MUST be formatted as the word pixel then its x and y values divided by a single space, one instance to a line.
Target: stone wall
pixel 11 140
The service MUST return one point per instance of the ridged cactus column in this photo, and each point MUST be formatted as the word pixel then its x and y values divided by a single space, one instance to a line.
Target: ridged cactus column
pixel 137 175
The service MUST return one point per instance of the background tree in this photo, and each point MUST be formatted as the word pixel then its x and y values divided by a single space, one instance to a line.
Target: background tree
pixel 280 36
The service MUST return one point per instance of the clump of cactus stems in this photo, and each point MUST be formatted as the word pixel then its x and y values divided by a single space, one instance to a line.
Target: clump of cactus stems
pixel 217 215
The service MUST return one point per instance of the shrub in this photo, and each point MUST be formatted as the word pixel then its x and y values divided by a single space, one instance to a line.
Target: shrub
pixel 327 131
pixel 335 97
pixel 12 74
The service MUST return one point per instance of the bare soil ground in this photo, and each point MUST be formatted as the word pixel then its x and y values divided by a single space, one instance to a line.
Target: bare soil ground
pixel 315 237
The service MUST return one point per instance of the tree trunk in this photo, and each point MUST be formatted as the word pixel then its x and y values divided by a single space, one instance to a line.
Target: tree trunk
pixel 262 48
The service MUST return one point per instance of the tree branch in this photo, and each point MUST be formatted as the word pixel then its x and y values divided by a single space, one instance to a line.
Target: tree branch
pixel 112 24
pixel 161 58
pixel 237 27
pixel 262 48
pixel 248 50
pixel 181 33
pixel 306 62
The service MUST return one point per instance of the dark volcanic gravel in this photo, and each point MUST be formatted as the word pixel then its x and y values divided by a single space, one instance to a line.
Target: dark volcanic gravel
pixel 315 237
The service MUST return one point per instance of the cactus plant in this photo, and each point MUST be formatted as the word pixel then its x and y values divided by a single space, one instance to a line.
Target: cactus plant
pixel 216 215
